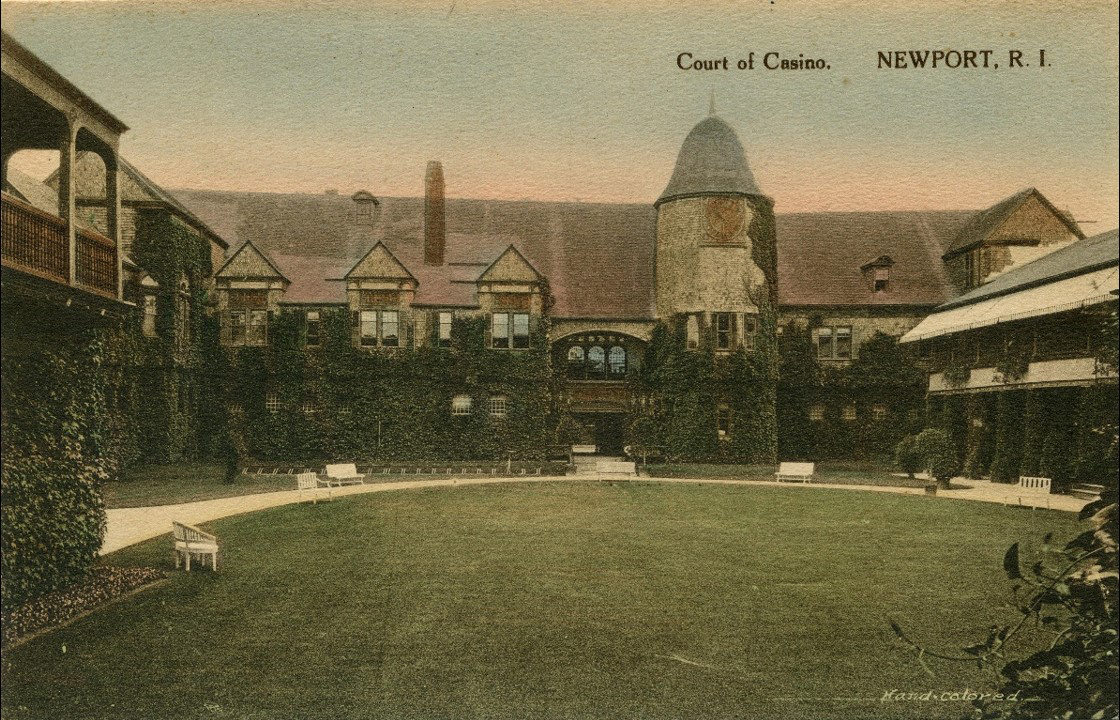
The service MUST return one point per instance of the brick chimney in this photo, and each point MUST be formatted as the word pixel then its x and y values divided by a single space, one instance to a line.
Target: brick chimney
pixel 435 223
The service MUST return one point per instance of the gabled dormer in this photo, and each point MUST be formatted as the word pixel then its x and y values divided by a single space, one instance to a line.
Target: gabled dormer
pixel 877 272
pixel 510 290
pixel 379 292
pixel 1014 231
pixel 249 287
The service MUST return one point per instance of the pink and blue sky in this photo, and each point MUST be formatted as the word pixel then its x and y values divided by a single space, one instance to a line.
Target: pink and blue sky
pixel 567 101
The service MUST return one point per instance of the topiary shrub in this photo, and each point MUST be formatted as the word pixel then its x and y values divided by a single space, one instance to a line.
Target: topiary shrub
pixel 938 454
pixel 908 456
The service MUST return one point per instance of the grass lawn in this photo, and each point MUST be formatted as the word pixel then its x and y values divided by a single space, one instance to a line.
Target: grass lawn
pixel 549 600
pixel 148 485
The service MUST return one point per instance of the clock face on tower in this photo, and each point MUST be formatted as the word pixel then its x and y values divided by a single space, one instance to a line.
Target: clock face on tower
pixel 724 218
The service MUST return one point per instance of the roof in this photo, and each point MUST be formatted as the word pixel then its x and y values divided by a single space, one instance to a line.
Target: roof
pixel 90 181
pixel 1061 295
pixel 39 195
pixel 711 162
pixel 597 258
pixel 68 89
pixel 985 222
pixel 1082 256
pixel 822 257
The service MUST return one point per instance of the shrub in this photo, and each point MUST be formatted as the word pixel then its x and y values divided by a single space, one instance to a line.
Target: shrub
pixel 53 465
pixel 938 454
pixel 908 456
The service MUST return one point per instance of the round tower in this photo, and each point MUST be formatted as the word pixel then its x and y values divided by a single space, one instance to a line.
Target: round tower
pixel 715 230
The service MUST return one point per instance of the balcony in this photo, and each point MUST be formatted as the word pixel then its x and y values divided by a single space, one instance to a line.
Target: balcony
pixel 36 243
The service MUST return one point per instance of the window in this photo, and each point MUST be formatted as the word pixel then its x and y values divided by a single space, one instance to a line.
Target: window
pixel 238 326
pixel 443 332
pixel 723 422
pixel 498 406
pixel 309 407
pixel 596 362
pixel 461 405
pixel 725 330
pixel 272 402
pixel 367 328
pixel 974 261
pixel 879 412
pixel 379 327
pixel 313 328
pixel 882 277
pixel 849 412
pixel 390 328
pixel 816 412
pixel 834 343
pixel 616 360
pixel 692 333
pixel 750 327
pixel 149 322
pixel 509 330
pixel 575 362
pixel 258 328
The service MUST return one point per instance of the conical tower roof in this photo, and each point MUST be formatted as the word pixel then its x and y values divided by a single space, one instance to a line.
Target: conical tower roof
pixel 711 162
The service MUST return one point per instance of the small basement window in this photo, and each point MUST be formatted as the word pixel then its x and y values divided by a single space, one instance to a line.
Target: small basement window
pixel 461 405
pixel 498 406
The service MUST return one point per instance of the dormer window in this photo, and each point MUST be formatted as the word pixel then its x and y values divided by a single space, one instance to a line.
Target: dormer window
pixel 878 272
pixel 364 206
pixel 882 278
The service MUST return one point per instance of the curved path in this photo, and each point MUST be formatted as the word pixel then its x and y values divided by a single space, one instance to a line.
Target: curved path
pixel 128 526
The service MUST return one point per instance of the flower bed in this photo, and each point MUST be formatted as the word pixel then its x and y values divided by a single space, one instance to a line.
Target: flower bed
pixel 103 585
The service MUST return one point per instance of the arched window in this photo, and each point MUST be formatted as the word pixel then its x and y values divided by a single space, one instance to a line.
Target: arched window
pixel 616 360
pixel 575 362
pixel 596 362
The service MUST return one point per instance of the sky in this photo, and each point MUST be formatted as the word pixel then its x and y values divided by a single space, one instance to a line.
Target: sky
pixel 573 101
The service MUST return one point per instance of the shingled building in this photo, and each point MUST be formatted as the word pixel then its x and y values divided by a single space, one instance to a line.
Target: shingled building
pixel 709 259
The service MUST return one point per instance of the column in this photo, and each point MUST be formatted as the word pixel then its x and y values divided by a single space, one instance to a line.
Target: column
pixel 67 208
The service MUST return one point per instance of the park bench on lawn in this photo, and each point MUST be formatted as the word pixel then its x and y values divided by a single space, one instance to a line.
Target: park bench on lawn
pixel 615 467
pixel 341 474
pixel 1034 488
pixel 189 541
pixel 802 471
pixel 309 482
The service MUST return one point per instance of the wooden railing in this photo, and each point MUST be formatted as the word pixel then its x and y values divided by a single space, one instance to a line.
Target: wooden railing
pixel 35 242
pixel 96 263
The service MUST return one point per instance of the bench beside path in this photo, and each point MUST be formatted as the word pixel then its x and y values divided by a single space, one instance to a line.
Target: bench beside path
pixel 128 526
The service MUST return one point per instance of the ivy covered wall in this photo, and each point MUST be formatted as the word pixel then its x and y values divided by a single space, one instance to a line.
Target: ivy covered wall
pixel 684 390
pixel 882 375
pixel 339 403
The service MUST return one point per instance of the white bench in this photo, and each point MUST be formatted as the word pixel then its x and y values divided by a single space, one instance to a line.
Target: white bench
pixel 802 471
pixel 343 474
pixel 1032 488
pixel 616 467
pixel 189 541
pixel 584 449
pixel 309 482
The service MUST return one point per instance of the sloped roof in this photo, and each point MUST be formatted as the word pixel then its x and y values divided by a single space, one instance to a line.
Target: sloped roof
pixel 598 258
pixel 250 261
pixel 985 222
pixel 711 162
pixel 90 182
pixel 1078 258
pixel 821 256
pixel 39 195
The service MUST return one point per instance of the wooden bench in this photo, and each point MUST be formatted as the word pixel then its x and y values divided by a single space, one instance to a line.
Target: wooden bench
pixel 309 482
pixel 802 471
pixel 1032 488
pixel 189 541
pixel 584 449
pixel 616 467
pixel 341 474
